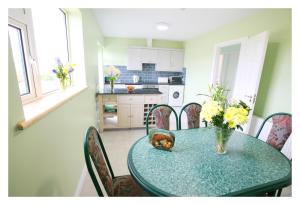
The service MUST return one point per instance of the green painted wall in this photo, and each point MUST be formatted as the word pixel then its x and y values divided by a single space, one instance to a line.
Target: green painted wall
pixel 47 159
pixel 116 49
pixel 275 86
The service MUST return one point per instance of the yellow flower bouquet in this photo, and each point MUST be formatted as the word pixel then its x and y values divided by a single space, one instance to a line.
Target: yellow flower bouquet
pixel 224 116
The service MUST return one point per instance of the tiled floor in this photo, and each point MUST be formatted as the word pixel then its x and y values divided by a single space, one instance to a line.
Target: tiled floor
pixel 117 144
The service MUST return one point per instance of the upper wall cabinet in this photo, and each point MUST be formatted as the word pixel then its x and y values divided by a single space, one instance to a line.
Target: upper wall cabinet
pixel 148 55
pixel 165 59
pixel 134 59
pixel 177 60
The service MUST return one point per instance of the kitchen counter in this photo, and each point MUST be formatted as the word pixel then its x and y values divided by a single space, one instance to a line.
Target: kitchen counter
pixel 144 91
pixel 146 83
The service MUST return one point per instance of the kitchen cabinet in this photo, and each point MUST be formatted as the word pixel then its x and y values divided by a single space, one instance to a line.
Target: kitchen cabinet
pixel 124 115
pixel 176 63
pixel 134 59
pixel 165 59
pixel 149 55
pixel 165 93
pixel 130 111
pixel 136 117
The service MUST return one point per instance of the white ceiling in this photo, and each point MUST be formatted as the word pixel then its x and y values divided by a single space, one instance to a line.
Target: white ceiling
pixel 183 23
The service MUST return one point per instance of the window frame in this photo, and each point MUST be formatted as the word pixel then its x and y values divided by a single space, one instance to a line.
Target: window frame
pixel 26 98
pixel 22 20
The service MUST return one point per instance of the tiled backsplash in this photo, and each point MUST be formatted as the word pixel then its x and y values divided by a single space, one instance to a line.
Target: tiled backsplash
pixel 147 75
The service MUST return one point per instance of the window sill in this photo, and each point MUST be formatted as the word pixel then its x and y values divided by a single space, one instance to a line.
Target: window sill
pixel 36 110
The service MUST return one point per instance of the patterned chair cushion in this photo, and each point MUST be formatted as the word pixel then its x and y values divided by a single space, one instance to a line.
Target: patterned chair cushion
pixel 193 115
pixel 126 186
pixel 162 115
pixel 99 162
pixel 280 131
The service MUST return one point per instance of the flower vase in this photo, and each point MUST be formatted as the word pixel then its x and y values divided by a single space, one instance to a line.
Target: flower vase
pixel 63 84
pixel 111 86
pixel 222 137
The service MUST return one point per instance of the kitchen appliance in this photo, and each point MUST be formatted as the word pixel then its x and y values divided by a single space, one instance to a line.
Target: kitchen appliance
pixel 161 80
pixel 176 95
pixel 175 80
pixel 135 78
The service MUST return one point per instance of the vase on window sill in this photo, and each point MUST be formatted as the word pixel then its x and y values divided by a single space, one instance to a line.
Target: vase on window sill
pixel 63 84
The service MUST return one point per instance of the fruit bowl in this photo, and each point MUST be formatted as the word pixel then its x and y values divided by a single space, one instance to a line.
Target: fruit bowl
pixel 161 139
pixel 130 88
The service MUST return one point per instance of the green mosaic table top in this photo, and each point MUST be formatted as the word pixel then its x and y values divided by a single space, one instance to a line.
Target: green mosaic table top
pixel 193 168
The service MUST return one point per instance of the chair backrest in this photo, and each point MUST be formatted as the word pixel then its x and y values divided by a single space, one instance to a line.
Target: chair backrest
pixel 280 131
pixel 162 114
pixel 192 111
pixel 94 149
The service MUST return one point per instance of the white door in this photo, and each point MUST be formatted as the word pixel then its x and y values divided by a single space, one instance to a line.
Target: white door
pixel 248 71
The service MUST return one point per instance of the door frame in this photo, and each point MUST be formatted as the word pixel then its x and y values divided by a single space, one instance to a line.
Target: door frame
pixel 217 49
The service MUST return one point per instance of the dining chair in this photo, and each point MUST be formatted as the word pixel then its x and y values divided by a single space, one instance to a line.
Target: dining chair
pixel 279 133
pixel 162 114
pixel 114 186
pixel 192 111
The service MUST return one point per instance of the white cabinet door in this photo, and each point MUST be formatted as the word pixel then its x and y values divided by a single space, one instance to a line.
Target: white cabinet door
pixel 137 115
pixel 149 55
pixel 165 93
pixel 124 115
pixel 134 59
pixel 163 60
pixel 177 60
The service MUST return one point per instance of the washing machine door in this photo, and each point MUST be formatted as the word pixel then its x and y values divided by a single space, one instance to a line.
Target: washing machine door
pixel 176 95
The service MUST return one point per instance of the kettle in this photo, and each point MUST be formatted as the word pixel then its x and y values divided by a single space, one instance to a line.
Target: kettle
pixel 135 78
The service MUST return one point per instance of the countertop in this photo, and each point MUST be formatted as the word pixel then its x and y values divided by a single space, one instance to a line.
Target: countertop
pixel 144 91
pixel 145 83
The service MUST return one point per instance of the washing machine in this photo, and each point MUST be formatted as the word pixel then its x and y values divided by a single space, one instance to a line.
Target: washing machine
pixel 176 95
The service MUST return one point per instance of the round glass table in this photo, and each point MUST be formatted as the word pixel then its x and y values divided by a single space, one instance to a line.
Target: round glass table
pixel 193 168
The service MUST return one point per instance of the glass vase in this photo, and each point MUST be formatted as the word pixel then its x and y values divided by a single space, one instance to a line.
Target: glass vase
pixel 63 84
pixel 112 86
pixel 222 137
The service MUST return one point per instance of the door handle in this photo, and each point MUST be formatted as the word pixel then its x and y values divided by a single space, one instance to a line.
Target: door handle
pixel 250 97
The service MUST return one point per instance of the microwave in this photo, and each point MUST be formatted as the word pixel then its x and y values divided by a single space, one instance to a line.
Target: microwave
pixel 175 79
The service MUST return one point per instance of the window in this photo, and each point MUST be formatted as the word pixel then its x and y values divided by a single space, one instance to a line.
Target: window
pixel 20 50
pixel 38 39
pixel 19 59
pixel 50 47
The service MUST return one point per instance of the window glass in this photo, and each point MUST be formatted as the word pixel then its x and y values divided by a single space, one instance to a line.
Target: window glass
pixel 51 43
pixel 16 41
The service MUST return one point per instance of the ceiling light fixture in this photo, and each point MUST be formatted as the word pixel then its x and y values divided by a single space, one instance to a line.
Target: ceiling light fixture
pixel 162 26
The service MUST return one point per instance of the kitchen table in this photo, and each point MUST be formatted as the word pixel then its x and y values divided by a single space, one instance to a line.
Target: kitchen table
pixel 193 168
